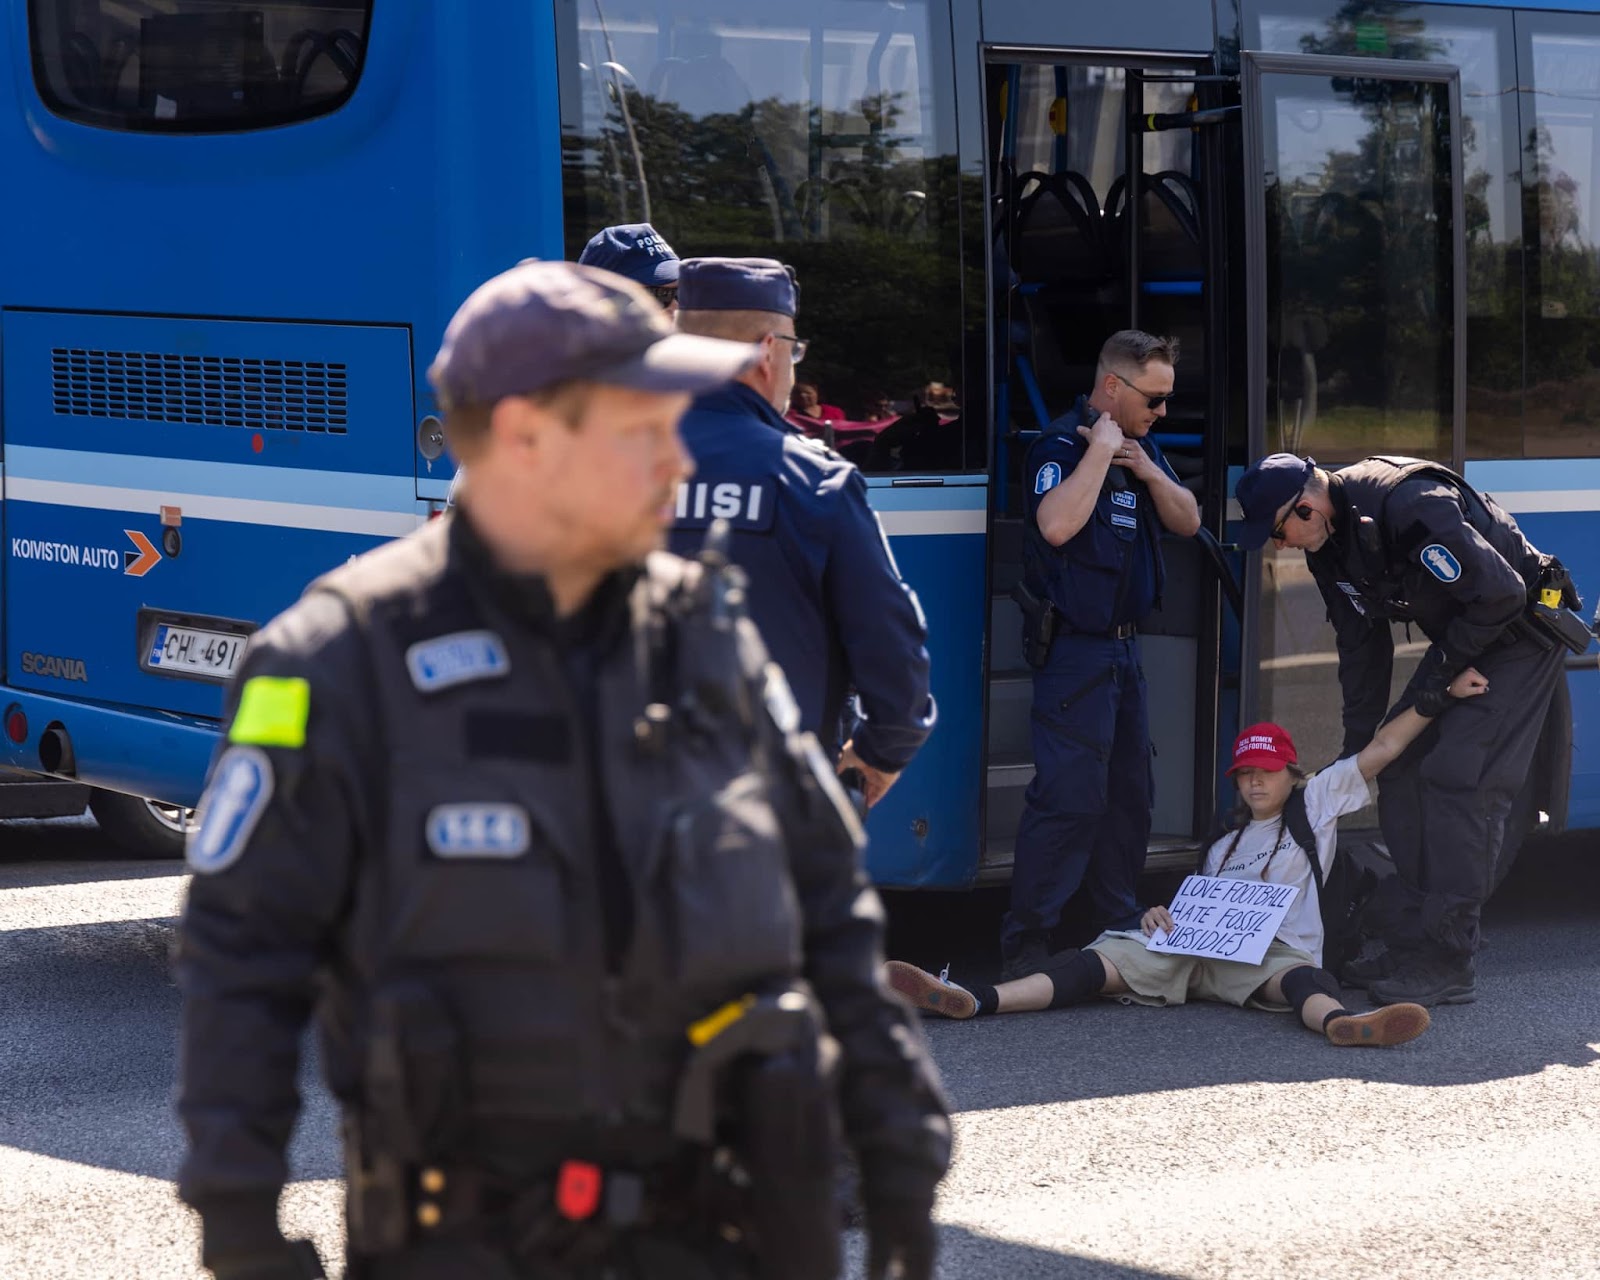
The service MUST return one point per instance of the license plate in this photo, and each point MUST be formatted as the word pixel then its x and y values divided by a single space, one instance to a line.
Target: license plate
pixel 194 651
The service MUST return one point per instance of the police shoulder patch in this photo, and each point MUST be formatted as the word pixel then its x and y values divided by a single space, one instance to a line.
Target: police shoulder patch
pixel 1438 561
pixel 1124 498
pixel 458 658
pixel 1047 477
pixel 239 792
pixel 478 831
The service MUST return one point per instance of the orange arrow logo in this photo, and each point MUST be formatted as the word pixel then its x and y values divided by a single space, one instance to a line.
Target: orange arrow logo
pixel 147 559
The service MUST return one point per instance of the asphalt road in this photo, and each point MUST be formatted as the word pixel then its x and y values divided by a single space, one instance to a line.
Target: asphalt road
pixel 1100 1142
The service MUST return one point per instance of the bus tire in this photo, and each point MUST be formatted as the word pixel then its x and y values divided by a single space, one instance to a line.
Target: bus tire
pixel 140 827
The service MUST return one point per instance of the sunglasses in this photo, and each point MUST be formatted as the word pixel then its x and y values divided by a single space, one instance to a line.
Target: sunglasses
pixel 1298 509
pixel 665 294
pixel 800 345
pixel 1153 402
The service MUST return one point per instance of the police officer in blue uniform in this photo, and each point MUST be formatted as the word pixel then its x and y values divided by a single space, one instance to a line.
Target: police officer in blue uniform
pixel 824 589
pixel 637 251
pixel 520 809
pixel 1393 539
pixel 1098 495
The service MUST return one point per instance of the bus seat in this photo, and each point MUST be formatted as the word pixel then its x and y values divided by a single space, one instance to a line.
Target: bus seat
pixel 1170 247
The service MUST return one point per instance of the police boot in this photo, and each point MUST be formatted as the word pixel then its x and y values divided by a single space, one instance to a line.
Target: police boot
pixel 1031 954
pixel 1375 962
pixel 1428 979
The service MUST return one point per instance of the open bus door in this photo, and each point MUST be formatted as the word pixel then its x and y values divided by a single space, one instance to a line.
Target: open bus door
pixel 1105 195
pixel 1356 322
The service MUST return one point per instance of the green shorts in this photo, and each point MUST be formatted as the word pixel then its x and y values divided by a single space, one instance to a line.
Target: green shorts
pixel 1156 977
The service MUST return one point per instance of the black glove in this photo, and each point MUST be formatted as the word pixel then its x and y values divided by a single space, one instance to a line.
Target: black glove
pixel 1430 687
pixel 293 1260
pixel 901 1240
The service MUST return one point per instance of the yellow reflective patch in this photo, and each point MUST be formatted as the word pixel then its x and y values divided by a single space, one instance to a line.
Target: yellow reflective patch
pixel 273 711
pixel 714 1024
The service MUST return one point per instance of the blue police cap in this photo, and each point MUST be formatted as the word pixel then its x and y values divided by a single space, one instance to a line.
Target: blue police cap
pixel 737 284
pixel 1266 487
pixel 545 322
pixel 635 250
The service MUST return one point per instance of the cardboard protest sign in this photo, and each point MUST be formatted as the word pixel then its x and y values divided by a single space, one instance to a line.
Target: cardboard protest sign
pixel 1224 919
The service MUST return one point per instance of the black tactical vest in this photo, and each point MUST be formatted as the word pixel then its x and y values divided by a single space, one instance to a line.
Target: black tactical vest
pixel 481 884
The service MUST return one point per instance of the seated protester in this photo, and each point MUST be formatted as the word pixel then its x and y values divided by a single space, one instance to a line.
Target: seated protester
pixel 1289 975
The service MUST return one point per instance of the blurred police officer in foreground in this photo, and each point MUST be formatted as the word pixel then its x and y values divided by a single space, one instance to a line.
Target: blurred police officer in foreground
pixel 1098 495
pixel 824 590
pixel 522 806
pixel 635 250
pixel 1401 540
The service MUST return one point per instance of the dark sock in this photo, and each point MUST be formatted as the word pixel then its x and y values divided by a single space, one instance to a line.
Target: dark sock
pixel 1340 1012
pixel 987 997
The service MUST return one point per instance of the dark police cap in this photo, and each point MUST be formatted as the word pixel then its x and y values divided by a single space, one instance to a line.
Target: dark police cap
pixel 1264 489
pixel 635 250
pixel 545 322
pixel 737 284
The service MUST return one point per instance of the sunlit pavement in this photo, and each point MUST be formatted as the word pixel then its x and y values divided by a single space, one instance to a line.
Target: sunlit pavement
pixel 1108 1141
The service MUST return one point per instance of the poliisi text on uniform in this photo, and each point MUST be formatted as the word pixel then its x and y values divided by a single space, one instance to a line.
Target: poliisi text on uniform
pixel 66 553
pixel 729 501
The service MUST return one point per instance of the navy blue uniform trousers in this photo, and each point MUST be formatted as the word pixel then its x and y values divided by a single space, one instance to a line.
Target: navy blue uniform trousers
pixel 1086 817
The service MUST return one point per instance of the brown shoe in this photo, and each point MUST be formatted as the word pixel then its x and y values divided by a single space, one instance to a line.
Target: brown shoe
pixel 1392 1024
pixel 928 993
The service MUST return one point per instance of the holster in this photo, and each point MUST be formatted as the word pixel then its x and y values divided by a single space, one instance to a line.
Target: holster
pixel 412 1111
pixel 1559 622
pixel 763 1082
pixel 1560 625
pixel 1040 621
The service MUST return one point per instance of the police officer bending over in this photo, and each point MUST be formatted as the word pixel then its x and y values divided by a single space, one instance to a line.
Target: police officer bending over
pixel 1098 495
pixel 1397 539
pixel 824 590
pixel 523 808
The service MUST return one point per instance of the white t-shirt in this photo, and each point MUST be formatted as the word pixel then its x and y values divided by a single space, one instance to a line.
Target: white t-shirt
pixel 1266 845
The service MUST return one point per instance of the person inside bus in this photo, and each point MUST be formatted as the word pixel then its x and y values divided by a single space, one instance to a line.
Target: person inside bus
pixel 1098 494
pixel 1405 540
pixel 1261 848
pixel 824 590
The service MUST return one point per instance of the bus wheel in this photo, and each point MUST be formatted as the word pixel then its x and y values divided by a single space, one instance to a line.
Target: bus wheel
pixel 143 828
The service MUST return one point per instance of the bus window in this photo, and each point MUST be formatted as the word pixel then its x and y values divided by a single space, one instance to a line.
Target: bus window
pixel 195 66
pixel 1560 79
pixel 1478 41
pixel 811 133
pixel 1359 253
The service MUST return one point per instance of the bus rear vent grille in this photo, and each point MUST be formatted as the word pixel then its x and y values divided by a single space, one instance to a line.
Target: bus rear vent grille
pixel 212 391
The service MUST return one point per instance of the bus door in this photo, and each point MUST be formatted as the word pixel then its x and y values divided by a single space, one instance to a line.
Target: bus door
pixel 1103 194
pixel 1356 323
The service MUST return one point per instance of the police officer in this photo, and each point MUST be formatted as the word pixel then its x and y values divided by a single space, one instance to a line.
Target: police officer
pixel 636 250
pixel 824 589
pixel 524 806
pixel 1098 495
pixel 1396 539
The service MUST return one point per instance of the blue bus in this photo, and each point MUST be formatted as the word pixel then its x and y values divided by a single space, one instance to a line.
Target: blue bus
pixel 237 229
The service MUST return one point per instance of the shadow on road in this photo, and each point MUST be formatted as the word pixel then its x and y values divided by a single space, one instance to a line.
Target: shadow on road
pixel 1538 1007
pixel 89 1054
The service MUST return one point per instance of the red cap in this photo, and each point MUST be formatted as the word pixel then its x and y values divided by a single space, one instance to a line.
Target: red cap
pixel 1263 746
